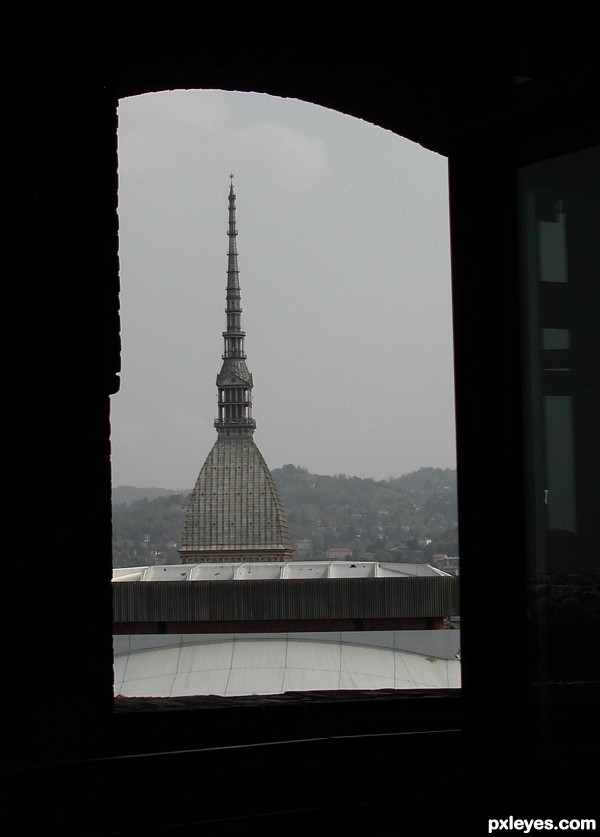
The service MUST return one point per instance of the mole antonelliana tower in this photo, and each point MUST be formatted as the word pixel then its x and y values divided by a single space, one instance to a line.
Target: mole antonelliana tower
pixel 234 512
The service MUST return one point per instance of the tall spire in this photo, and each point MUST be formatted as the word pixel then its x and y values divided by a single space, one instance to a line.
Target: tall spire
pixel 234 512
pixel 234 381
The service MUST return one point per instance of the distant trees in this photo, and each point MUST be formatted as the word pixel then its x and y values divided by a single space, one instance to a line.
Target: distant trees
pixel 343 511
pixel 364 514
pixel 148 531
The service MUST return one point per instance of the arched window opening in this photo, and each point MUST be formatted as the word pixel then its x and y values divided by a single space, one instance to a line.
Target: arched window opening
pixel 333 216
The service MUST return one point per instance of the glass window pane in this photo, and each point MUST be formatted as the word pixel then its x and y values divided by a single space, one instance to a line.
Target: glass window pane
pixel 560 264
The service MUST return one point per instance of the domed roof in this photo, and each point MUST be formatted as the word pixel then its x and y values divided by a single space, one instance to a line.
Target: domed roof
pixel 235 507
pixel 175 665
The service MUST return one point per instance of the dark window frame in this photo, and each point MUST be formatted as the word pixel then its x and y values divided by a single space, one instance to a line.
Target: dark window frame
pixel 481 166
pixel 71 356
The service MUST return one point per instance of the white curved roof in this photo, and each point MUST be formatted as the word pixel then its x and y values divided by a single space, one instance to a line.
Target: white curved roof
pixel 176 665
pixel 238 571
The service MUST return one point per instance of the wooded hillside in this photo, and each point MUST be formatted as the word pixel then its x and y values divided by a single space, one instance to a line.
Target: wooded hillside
pixel 386 519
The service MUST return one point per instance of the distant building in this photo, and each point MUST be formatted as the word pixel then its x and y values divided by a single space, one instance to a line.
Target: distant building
pixel 338 553
pixel 304 549
pixel 234 512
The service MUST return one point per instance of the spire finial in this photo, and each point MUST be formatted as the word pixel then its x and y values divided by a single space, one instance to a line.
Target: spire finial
pixel 231 176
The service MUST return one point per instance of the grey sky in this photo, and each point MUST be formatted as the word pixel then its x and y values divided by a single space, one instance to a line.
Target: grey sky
pixel 344 261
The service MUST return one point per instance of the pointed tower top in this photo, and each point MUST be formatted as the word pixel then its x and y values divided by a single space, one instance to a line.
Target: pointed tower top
pixel 234 381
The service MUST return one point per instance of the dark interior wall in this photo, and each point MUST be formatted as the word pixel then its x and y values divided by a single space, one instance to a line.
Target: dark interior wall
pixel 65 357
pixel 58 704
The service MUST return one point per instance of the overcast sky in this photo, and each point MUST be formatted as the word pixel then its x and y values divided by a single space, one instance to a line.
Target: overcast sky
pixel 344 261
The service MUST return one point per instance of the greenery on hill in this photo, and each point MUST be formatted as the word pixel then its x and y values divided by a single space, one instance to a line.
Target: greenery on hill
pixel 386 518
pixel 147 531
pixel 129 494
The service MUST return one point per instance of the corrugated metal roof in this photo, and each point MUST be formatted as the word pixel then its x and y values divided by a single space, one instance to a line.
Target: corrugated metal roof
pixel 273 599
